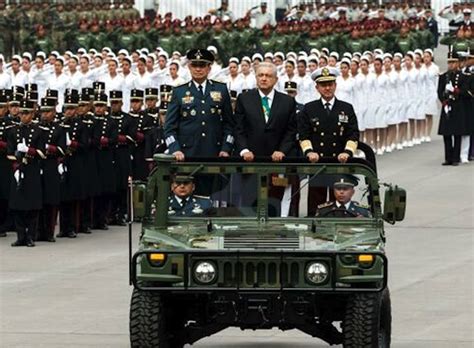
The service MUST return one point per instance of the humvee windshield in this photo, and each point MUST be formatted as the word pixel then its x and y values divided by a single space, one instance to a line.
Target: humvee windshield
pixel 251 191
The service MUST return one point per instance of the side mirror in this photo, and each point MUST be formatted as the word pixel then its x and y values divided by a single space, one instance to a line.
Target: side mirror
pixel 394 204
pixel 139 192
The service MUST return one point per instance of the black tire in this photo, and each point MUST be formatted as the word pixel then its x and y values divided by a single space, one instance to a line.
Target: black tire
pixel 368 321
pixel 148 322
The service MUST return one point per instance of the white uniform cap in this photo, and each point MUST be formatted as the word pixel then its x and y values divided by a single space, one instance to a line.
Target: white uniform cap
pixel 82 50
pixel 55 53
pixel 248 60
pixel 234 60
pixel 378 51
pixel 419 51
pixel 17 57
pixel 429 50
pixel 315 51
pixel 27 55
pixel 106 49
pixel 335 55
pixel 302 53
pixel 213 49
pixel 41 54
pixel 256 56
pixel 346 60
pixel 123 51
pixel 279 54
pixel 269 55
pixel 291 54
pixel 303 59
pixel 347 55
pixel 325 74
pixel 313 57
pixel 163 54
pixel 398 54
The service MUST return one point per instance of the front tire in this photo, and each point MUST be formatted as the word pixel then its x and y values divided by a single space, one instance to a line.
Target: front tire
pixel 368 321
pixel 148 327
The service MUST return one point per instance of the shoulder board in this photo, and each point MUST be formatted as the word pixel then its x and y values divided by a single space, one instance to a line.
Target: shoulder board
pixel 65 125
pixel 88 121
pixel 217 82
pixel 10 126
pixel 202 197
pixel 357 204
pixel 44 128
pixel 324 205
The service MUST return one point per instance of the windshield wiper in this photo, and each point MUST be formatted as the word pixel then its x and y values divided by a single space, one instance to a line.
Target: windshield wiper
pixel 307 183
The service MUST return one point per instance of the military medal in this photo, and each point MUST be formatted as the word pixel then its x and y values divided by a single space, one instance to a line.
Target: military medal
pixel 216 96
pixel 343 117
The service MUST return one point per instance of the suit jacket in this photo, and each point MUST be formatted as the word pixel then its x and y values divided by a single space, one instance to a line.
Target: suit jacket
pixel 278 134
pixel 329 135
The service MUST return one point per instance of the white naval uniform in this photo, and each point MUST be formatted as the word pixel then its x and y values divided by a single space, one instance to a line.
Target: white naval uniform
pixel 380 99
pixel 59 83
pixel 143 81
pixel 5 80
pixel 113 83
pixel 412 93
pixel 403 96
pixel 345 89
pixel 392 97
pixel 432 106
pixel 249 81
pixel 19 79
pixel 421 93
pixel 41 78
pixel 129 83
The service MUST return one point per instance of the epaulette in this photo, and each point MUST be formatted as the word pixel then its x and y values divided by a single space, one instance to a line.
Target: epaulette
pixel 202 197
pixel 324 205
pixel 357 204
pixel 218 82
pixel 10 126
pixel 43 128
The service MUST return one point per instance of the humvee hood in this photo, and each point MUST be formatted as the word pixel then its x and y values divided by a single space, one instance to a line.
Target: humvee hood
pixel 326 236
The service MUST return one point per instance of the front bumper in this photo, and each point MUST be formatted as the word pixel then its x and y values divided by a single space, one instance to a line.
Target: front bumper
pixel 259 271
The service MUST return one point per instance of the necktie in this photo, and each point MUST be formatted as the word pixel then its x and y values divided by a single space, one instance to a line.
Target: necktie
pixel 183 202
pixel 266 108
pixel 201 90
pixel 327 106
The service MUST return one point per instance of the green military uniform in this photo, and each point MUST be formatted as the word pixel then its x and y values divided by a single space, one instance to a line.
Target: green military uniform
pixel 404 44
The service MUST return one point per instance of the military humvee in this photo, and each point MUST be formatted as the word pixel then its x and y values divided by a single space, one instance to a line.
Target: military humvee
pixel 254 263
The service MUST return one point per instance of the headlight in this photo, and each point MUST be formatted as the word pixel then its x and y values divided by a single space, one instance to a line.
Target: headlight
pixel 205 272
pixel 317 272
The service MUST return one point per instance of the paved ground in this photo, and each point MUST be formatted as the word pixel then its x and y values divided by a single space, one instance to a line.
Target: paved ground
pixel 75 293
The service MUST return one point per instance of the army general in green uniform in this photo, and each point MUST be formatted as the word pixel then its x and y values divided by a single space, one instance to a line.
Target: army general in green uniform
pixel 199 118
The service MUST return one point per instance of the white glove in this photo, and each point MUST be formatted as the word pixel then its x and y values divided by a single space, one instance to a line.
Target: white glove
pixel 61 169
pixel 449 87
pixel 47 146
pixel 21 147
pixel 17 176
pixel 68 140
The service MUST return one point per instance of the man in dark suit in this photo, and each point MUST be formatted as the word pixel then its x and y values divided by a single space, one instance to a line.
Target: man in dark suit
pixel 265 126
pixel 327 127
pixel 265 119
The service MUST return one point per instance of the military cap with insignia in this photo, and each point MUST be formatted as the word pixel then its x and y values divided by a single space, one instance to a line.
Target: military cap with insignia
pixel 52 94
pixel 115 96
pixel 453 56
pixel 98 86
pixel 100 99
pixel 3 97
pixel 27 105
pixel 291 86
pixel 15 99
pixel 71 91
pixel 325 74
pixel 136 94
pixel 47 104
pixel 71 100
pixel 346 180
pixel 31 87
pixel 183 178
pixel 18 90
pixel 84 98
pixel 166 88
pixel 200 55
pixel 89 91
pixel 32 95
pixel 151 93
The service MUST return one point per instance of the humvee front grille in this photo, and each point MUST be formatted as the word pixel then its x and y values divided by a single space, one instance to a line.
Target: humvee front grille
pixel 261 242
pixel 255 274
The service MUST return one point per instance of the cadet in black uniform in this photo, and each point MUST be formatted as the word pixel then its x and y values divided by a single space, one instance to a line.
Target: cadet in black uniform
pixel 90 175
pixel 55 146
pixel 453 120
pixel 6 171
pixel 73 183
pixel 104 141
pixel 142 126
pixel 199 118
pixel 343 205
pixel 155 140
pixel 327 127
pixel 25 149
pixel 17 95
pixel 182 200
pixel 122 159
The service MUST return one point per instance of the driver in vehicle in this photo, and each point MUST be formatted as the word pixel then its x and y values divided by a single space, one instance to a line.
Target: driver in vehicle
pixel 183 202
pixel 343 206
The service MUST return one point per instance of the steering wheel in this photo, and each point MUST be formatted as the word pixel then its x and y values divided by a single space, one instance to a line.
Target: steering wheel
pixel 351 213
